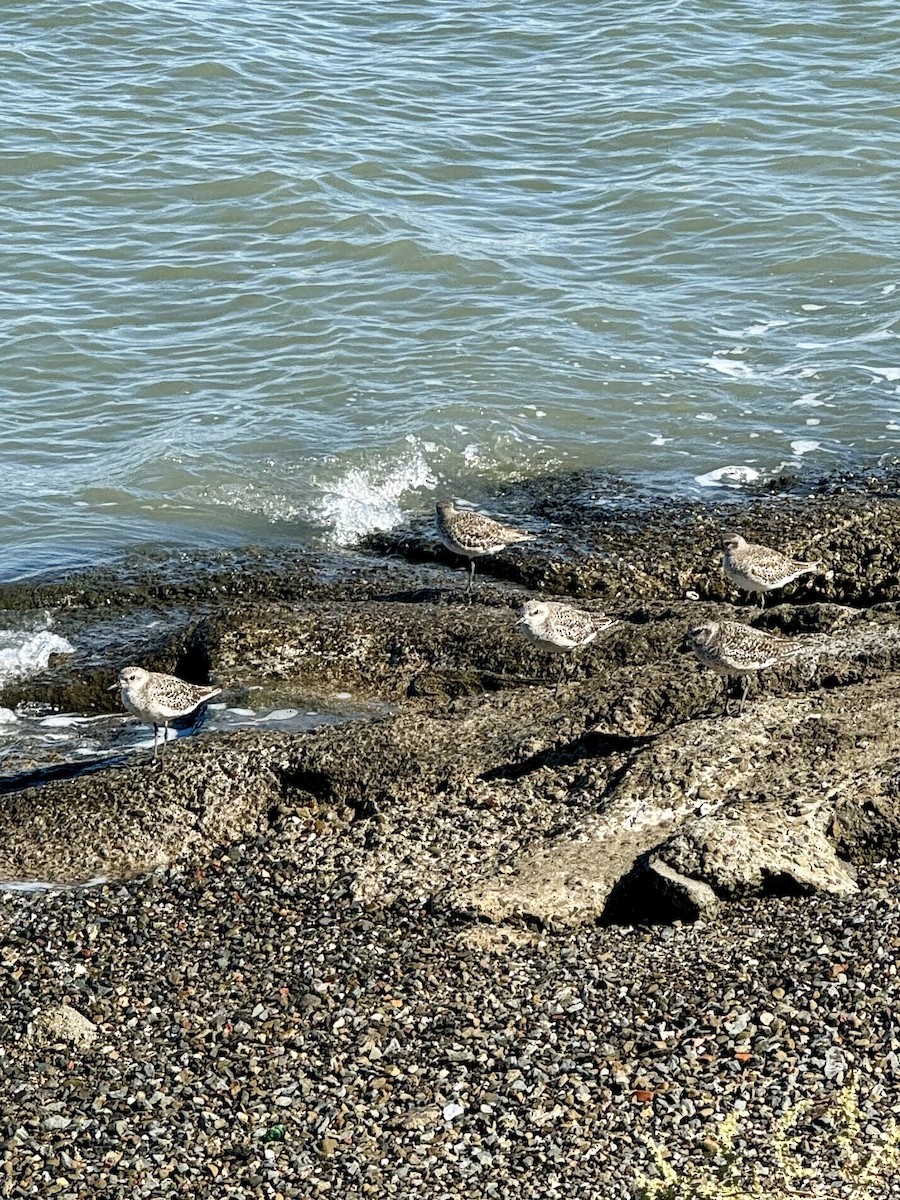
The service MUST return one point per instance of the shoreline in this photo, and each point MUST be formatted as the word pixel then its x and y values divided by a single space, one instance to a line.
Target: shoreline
pixel 796 479
pixel 485 898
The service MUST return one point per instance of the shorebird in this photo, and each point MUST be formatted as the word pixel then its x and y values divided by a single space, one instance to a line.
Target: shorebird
pixel 156 699
pixel 729 648
pixel 559 628
pixel 472 534
pixel 757 568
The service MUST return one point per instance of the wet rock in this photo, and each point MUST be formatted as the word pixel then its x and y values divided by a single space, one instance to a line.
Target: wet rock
pixel 714 809
pixel 126 821
pixel 481 792
pixel 596 536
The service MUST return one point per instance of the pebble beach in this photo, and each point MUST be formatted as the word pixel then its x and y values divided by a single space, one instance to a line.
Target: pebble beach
pixel 254 1035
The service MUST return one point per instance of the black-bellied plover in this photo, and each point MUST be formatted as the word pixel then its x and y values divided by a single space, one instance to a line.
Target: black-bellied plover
pixel 729 648
pixel 559 628
pixel 755 568
pixel 472 534
pixel 156 699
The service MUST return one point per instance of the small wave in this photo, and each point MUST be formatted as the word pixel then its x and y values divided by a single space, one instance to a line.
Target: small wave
pixel 733 476
pixel 253 498
pixel 26 651
pixel 369 498
pixel 810 400
pixel 805 446
pixel 757 329
pixel 730 367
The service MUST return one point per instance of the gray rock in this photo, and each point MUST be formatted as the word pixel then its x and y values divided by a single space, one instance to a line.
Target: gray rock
pixel 62 1023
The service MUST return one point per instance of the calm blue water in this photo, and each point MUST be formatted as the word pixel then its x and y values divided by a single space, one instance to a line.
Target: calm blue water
pixel 279 271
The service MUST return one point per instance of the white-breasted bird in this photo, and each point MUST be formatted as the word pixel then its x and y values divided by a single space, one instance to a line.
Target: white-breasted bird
pixel 156 699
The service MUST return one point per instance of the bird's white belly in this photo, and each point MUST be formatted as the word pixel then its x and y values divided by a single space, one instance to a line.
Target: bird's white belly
pixel 150 716
pixel 745 582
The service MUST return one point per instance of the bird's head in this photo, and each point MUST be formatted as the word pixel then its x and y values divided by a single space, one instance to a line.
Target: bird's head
pixel 701 637
pixel 130 677
pixel 532 612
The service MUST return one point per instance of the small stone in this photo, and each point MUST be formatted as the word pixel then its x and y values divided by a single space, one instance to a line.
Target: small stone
pixel 738 1024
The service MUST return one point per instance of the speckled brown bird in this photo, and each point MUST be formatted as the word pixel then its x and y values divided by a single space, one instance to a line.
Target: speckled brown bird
pixel 729 648
pixel 156 699
pixel 560 628
pixel 472 534
pixel 755 568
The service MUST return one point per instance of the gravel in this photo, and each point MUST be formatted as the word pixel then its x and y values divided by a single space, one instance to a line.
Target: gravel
pixel 258 1036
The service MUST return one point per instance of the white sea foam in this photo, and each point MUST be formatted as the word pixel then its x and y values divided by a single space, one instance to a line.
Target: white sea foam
pixel 731 367
pixel 370 498
pixel 26 651
pixel 810 400
pixel 805 446
pixel 755 330
pixel 763 327
pixel 733 476
pixel 889 373
pixel 66 720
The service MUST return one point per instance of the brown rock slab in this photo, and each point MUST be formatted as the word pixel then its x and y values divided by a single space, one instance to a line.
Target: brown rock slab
pixel 480 790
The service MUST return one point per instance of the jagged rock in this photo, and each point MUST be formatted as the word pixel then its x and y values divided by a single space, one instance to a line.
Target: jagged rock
pixel 714 809
pixel 476 788
pixel 64 1024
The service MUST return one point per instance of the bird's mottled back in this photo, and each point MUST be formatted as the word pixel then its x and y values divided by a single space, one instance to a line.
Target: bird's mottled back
pixel 472 533
pixel 560 627
pixel 755 568
pixel 729 648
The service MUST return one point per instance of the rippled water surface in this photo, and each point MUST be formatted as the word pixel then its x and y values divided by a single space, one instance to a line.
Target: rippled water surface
pixel 282 270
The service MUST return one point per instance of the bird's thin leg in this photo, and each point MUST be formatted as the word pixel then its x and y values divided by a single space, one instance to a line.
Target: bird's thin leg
pixel 572 663
pixel 560 675
pixel 470 585
pixel 155 739
pixel 743 694
pixel 165 738
pixel 762 600
pixel 727 695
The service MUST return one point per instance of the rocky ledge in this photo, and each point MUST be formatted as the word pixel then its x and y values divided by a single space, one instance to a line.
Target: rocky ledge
pixel 630 795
